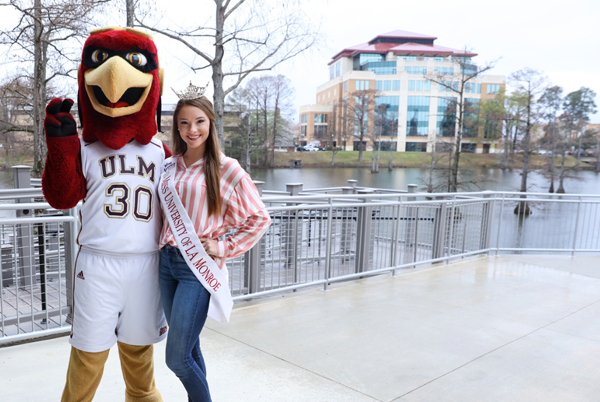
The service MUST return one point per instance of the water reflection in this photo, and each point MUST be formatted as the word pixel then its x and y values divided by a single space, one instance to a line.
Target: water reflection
pixel 587 182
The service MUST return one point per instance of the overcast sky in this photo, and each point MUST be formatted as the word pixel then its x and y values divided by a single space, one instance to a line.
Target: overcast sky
pixel 559 38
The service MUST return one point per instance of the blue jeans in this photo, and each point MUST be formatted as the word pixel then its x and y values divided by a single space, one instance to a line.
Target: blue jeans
pixel 185 302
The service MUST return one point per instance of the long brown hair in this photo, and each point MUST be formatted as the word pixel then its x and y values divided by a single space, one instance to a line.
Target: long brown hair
pixel 212 153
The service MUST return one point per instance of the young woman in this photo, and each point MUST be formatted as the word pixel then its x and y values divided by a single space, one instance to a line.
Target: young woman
pixel 217 195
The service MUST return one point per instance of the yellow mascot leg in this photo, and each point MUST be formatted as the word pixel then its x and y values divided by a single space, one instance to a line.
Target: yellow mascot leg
pixel 137 363
pixel 84 375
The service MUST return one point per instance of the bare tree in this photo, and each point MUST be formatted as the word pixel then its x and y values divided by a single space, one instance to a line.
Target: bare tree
pixel 339 128
pixel 283 94
pixel 271 99
pixel 15 101
pixel 248 36
pixel 529 85
pixel 578 106
pixel 386 125
pixel 458 84
pixel 42 42
pixel 361 105
pixel 551 101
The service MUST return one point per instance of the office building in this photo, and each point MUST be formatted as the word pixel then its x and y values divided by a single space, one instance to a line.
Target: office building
pixel 411 81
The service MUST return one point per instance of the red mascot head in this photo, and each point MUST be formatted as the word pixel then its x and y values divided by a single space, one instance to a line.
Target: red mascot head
pixel 120 84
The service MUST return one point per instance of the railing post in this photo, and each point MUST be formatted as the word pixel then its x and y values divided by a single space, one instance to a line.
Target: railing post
pixel 439 229
pixel 352 184
pixel 253 258
pixel 71 248
pixel 346 236
pixel 328 244
pixel 395 236
pixel 576 227
pixel 22 179
pixel 408 254
pixel 291 231
pixel 487 217
pixel 363 234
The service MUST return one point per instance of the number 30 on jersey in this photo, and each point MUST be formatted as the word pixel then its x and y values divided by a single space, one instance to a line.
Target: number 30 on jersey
pixel 122 198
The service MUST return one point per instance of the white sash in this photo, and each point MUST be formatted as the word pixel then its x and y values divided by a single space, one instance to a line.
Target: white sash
pixel 202 265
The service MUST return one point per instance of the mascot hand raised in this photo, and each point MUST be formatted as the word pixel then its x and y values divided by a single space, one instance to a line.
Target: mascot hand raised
pixel 59 122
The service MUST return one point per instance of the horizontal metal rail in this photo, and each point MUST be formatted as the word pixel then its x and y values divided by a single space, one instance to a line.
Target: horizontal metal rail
pixel 315 239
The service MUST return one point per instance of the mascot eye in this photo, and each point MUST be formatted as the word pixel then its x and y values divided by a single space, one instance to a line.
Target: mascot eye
pixel 99 56
pixel 137 59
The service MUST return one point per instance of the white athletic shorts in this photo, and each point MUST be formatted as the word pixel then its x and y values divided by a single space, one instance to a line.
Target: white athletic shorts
pixel 116 298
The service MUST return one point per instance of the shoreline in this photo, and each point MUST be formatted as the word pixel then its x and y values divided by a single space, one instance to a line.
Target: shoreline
pixel 349 159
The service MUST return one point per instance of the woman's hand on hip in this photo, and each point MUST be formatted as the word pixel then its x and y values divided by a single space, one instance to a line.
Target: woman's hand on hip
pixel 210 246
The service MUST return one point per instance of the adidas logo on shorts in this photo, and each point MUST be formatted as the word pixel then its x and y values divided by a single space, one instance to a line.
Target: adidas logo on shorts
pixel 163 330
pixel 80 275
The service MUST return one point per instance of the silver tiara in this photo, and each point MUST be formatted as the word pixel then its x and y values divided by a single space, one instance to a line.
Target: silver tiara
pixel 191 92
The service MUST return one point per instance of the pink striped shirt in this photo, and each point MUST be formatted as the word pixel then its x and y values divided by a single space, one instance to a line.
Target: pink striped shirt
pixel 242 208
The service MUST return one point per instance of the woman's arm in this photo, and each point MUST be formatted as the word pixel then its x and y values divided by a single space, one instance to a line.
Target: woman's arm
pixel 245 211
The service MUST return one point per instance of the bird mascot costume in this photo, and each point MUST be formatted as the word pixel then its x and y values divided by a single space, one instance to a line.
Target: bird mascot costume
pixel 114 168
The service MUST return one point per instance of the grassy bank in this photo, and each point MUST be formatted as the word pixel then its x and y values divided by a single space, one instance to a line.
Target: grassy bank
pixel 405 160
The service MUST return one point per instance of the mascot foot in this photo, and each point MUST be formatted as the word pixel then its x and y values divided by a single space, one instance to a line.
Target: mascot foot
pixel 137 364
pixel 84 375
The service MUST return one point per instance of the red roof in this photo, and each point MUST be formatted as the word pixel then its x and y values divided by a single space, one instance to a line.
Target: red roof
pixel 404 49
pixel 403 34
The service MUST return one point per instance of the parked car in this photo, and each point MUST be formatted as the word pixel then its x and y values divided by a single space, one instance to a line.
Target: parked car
pixel 311 148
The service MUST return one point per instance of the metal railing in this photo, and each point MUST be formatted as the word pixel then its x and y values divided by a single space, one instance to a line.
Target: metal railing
pixel 317 237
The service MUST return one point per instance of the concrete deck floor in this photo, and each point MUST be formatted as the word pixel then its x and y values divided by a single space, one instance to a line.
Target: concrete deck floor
pixel 509 328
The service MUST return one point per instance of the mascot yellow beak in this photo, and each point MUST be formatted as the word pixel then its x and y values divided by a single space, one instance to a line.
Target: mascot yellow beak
pixel 116 88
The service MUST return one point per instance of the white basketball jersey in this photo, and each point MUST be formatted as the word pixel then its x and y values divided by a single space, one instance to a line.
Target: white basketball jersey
pixel 121 213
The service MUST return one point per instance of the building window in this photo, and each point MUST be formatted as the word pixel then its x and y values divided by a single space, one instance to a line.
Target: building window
pixel 379 85
pixel 320 131
pixel 444 70
pixel 446 117
pixel 380 67
pixel 467 147
pixel 337 69
pixel 411 85
pixel 320 118
pixel 415 70
pixel 396 85
pixel 303 131
pixel 410 58
pixel 416 147
pixel 423 70
pixel 386 145
pixel 386 115
pixel 364 58
pixel 419 85
pixel 387 85
pixel 334 91
pixel 407 69
pixel 471 112
pixel 451 71
pixel 438 59
pixel 493 89
pixel 427 86
pixel 361 85
pixel 303 118
pixel 331 72
pixel 417 116
pixel 436 69
pixel 346 86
